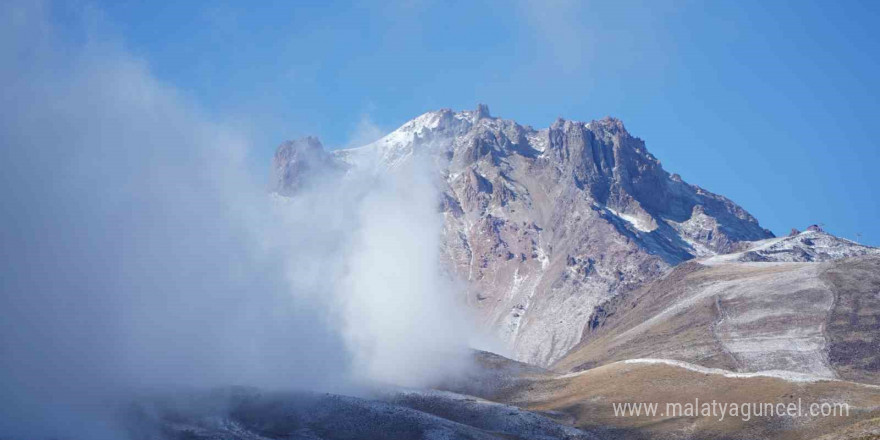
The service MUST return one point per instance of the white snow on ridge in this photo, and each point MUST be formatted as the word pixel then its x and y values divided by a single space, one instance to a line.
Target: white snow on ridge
pixel 778 374
pixel 788 376
pixel 539 140
pixel 807 246
pixel 733 257
pixel 395 147
pixel 699 249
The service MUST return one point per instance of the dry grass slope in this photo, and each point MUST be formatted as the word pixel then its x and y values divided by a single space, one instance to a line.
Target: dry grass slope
pixel 585 400
pixel 812 318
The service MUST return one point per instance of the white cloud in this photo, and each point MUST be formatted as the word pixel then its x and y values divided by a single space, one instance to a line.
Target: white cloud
pixel 139 250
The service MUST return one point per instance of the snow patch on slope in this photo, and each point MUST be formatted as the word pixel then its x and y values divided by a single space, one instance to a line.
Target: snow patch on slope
pixel 395 147
pixel 636 222
pixel 778 374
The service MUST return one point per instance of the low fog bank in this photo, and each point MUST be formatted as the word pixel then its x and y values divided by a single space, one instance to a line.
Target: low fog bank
pixel 141 254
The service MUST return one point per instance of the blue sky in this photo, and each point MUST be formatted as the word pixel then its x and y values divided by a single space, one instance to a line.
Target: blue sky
pixel 772 104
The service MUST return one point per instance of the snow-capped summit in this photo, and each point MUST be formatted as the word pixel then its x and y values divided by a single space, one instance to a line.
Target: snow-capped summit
pixel 400 144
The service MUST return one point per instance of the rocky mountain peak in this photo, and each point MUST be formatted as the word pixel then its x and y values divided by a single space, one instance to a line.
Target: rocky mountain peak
pixel 481 112
pixel 610 124
pixel 297 161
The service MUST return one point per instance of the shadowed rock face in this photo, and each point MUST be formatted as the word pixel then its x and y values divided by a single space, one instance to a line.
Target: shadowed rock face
pixel 853 324
pixel 297 162
pixel 546 224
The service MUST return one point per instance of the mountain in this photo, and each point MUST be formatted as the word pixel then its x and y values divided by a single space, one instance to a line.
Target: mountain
pixel 611 281
pixel 543 224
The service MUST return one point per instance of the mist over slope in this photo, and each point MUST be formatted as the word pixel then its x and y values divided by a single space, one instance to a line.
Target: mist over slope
pixel 140 252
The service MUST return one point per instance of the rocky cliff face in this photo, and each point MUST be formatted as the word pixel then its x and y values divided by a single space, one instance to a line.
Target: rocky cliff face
pixel 297 162
pixel 544 225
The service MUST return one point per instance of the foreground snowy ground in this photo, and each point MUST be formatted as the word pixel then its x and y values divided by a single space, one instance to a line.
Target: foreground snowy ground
pixel 251 414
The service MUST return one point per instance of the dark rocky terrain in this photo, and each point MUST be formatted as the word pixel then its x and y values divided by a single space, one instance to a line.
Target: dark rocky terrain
pixel 504 399
pixel 251 414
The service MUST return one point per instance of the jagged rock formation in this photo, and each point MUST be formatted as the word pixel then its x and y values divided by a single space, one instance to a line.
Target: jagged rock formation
pixel 544 225
pixel 297 162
